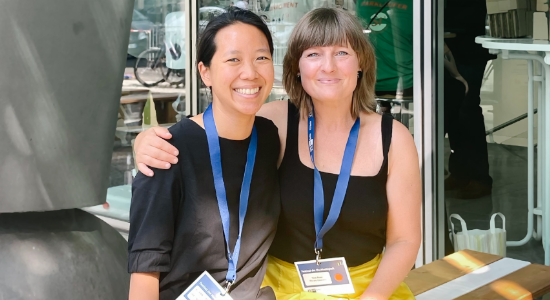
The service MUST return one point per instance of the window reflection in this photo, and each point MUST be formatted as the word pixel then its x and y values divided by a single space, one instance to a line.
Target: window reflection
pixel 281 16
pixel 389 25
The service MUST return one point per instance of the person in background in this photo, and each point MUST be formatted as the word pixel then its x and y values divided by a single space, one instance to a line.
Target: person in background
pixel 217 209
pixel 469 160
pixel 390 23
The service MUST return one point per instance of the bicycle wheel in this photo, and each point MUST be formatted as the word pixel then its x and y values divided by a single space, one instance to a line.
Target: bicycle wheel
pixel 148 69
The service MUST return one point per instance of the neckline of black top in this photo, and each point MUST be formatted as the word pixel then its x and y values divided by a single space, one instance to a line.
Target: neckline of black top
pixel 222 138
pixel 302 165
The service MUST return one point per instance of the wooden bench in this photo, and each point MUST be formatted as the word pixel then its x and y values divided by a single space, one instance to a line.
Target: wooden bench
pixel 527 282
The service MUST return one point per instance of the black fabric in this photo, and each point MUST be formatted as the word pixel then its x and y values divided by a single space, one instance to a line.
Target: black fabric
pixel 466 19
pixel 465 125
pixel 360 232
pixel 175 224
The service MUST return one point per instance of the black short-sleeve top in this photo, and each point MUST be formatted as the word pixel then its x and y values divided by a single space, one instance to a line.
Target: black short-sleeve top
pixel 175 223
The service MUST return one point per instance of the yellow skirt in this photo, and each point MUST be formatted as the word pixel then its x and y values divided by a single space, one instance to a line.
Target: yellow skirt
pixel 283 278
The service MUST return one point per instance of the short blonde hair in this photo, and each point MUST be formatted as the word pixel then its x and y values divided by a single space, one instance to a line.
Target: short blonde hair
pixel 328 27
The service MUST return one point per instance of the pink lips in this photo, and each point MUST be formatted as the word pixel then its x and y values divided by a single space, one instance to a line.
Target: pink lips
pixel 329 80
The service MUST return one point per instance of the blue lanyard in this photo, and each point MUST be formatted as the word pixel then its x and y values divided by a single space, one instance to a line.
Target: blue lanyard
pixel 216 161
pixel 341 185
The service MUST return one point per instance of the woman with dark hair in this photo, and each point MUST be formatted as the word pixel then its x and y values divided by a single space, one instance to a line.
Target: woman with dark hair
pixel 217 209
pixel 349 178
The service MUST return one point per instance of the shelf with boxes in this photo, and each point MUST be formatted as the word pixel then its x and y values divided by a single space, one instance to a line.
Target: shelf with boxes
pixel 518 18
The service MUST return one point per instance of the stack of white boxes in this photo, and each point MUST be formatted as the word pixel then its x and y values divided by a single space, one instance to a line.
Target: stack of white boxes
pixel 540 21
pixel 518 18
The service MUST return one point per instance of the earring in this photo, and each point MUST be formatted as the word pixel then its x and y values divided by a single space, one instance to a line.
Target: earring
pixel 298 76
pixel 359 74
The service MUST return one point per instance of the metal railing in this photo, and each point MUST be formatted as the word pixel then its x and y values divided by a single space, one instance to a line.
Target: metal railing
pixel 155 36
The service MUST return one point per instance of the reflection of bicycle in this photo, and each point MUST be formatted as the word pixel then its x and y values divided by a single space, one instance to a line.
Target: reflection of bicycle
pixel 150 68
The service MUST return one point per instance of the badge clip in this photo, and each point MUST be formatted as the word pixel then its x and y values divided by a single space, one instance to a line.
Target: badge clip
pixel 227 287
pixel 318 255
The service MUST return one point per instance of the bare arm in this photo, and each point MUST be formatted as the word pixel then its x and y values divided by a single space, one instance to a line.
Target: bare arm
pixel 144 286
pixel 152 149
pixel 403 228
pixel 277 111
pixel 450 65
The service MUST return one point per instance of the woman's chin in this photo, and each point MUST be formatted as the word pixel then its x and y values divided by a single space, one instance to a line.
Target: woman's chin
pixel 249 108
pixel 329 98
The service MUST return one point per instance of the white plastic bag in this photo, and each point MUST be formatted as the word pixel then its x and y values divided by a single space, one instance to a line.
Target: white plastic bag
pixel 492 241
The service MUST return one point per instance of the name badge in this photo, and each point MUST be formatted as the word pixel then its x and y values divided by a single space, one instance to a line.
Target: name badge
pixel 329 277
pixel 205 288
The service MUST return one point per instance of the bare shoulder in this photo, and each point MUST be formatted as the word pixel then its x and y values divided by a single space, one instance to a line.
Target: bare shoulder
pixel 370 117
pixel 401 136
pixel 373 121
pixel 402 146
pixel 371 124
pixel 275 111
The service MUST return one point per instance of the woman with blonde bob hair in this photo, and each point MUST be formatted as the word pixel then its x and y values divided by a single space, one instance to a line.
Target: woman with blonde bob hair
pixel 318 30
pixel 349 178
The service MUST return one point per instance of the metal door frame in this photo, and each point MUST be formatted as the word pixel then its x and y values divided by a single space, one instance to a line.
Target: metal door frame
pixel 428 129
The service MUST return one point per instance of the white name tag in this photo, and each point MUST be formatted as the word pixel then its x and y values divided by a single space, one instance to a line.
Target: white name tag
pixel 331 277
pixel 204 288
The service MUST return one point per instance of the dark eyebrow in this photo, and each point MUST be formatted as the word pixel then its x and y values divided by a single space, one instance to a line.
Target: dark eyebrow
pixel 231 52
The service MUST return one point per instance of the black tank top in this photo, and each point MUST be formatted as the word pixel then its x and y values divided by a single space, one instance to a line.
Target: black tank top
pixel 360 232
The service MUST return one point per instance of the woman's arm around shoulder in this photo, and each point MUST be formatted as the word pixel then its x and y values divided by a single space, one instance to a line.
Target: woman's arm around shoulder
pixel 403 234
pixel 277 112
pixel 152 149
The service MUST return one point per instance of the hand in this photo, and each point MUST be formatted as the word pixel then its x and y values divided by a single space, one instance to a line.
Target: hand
pixel 461 79
pixel 151 150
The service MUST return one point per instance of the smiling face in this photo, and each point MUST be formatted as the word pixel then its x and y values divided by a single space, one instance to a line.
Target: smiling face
pixel 329 73
pixel 241 71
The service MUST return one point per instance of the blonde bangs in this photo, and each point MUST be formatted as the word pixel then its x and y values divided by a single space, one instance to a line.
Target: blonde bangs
pixel 321 32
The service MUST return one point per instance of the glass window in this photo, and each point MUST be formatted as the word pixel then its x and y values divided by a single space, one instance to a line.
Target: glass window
pixel 390 29
pixel 390 32
pixel 155 69
pixel 281 17
pixel 491 149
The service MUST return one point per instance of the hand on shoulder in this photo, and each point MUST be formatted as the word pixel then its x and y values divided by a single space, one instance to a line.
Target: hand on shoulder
pixel 152 150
